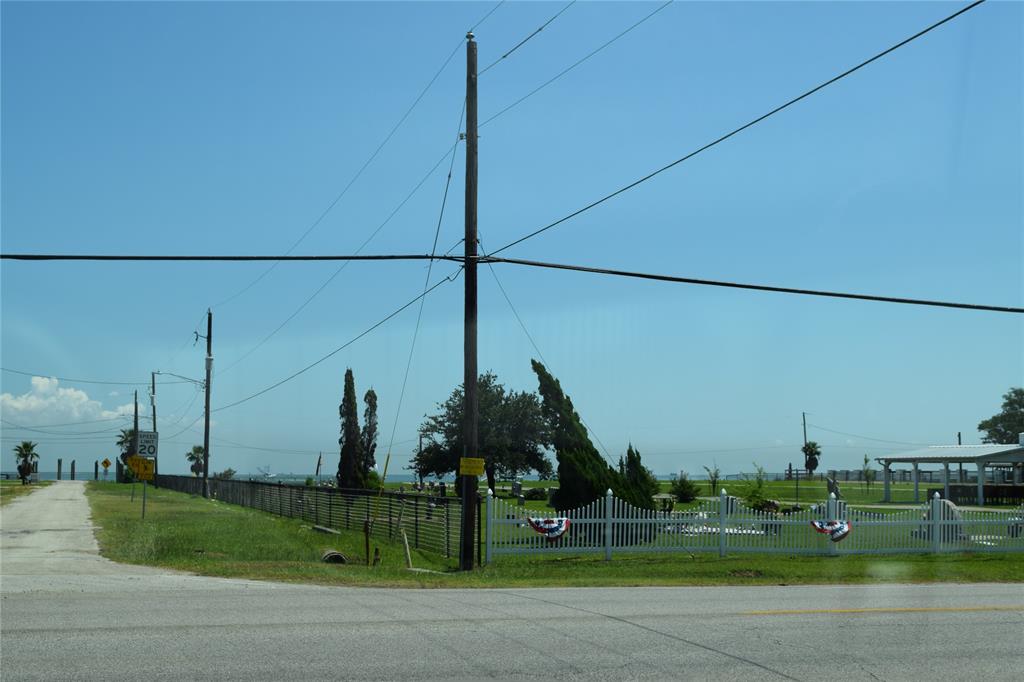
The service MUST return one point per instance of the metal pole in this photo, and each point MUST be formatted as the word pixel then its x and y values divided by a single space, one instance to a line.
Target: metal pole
pixel 206 425
pixel 469 370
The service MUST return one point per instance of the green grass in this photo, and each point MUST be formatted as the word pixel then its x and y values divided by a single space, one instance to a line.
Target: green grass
pixel 189 533
pixel 12 490
pixel 212 538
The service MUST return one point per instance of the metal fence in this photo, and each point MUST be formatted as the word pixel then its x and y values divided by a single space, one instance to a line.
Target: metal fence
pixel 728 526
pixel 431 523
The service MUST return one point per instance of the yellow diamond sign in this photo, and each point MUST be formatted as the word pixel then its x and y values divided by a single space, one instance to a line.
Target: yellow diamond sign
pixel 141 467
pixel 105 463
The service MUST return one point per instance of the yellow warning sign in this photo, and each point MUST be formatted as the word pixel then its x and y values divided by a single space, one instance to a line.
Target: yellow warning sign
pixel 471 466
pixel 141 467
pixel 105 463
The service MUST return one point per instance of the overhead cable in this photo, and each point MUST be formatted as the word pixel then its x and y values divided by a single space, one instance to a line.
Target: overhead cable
pixel 753 287
pixel 743 127
pixel 526 39
pixel 348 343
pixel 573 66
pixel 87 381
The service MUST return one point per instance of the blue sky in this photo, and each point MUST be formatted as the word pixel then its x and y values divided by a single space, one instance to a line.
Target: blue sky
pixel 228 128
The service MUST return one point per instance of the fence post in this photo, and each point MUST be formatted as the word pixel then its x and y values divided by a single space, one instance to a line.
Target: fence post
pixel 447 529
pixel 936 524
pixel 490 523
pixel 416 518
pixel 722 500
pixel 832 514
pixel 608 525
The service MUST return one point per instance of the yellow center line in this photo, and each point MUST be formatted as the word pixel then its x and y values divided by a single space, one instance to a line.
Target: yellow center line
pixel 908 609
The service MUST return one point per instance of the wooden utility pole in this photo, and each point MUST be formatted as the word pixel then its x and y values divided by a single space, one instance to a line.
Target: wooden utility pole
pixel 152 405
pixel 135 440
pixel 469 431
pixel 152 396
pixel 206 425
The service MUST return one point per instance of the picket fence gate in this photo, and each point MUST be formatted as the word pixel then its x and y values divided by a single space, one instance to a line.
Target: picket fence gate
pixel 726 526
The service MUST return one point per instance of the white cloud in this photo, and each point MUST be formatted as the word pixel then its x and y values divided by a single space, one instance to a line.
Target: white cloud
pixel 113 394
pixel 48 403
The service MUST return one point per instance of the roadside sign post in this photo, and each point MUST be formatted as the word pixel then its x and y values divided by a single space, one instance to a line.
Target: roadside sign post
pixel 143 464
pixel 106 465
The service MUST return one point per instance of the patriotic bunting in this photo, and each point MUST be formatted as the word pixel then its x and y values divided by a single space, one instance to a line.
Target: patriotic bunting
pixel 552 529
pixel 836 530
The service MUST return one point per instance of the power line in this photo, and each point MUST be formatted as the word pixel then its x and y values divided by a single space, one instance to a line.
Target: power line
pixel 348 343
pixel 533 343
pixel 90 421
pixel 58 433
pixel 757 120
pixel 231 258
pixel 487 259
pixel 573 66
pixel 426 284
pixel 330 279
pixel 526 39
pixel 753 287
pixel 365 165
pixel 857 435
pixel 87 381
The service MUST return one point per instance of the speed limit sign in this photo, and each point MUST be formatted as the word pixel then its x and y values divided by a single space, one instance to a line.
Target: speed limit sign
pixel 148 443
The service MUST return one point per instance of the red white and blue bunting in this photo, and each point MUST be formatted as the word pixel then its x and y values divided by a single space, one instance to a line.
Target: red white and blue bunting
pixel 552 529
pixel 836 530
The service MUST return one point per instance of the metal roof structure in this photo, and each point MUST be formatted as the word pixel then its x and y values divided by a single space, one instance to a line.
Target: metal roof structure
pixel 981 456
pixel 941 454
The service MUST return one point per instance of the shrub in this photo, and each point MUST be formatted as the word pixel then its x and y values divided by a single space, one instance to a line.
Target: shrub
pixel 683 489
pixel 535 493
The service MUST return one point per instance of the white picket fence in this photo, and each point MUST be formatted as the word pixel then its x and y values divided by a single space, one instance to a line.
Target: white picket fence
pixel 726 526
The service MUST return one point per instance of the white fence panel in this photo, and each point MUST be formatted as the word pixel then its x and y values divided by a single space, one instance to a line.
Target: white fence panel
pixel 727 525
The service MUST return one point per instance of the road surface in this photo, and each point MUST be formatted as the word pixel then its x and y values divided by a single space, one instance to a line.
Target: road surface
pixel 67 613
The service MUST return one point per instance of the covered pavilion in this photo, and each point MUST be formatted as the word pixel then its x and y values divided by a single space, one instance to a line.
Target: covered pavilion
pixel 982 456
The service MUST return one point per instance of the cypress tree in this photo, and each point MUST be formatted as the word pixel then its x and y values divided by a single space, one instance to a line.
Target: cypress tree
pixel 350 473
pixel 368 438
pixel 583 475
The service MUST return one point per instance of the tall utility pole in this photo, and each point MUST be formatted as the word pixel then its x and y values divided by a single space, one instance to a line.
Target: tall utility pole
pixel 206 425
pixel 135 435
pixel 152 405
pixel 152 396
pixel 804 415
pixel 469 385
pixel 135 439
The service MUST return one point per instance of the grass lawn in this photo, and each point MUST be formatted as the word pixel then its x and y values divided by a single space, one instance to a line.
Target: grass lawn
pixel 12 490
pixel 212 538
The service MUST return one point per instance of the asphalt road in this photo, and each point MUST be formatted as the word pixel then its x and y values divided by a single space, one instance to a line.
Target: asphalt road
pixel 69 614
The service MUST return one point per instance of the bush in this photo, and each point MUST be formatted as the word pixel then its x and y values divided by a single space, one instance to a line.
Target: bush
pixel 755 496
pixel 683 489
pixel 373 481
pixel 535 493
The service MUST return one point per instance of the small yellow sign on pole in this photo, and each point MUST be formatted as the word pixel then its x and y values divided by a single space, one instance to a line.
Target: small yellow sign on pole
pixel 471 466
pixel 141 467
pixel 105 463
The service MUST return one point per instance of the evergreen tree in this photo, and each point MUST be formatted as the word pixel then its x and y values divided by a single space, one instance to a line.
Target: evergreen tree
pixel 639 476
pixel 368 438
pixel 583 475
pixel 350 474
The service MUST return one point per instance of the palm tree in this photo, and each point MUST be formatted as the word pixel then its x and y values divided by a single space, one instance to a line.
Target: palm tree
pixel 195 457
pixel 125 441
pixel 812 453
pixel 25 453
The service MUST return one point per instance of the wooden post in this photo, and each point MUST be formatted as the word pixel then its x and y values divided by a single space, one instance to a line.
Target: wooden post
pixel 469 347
